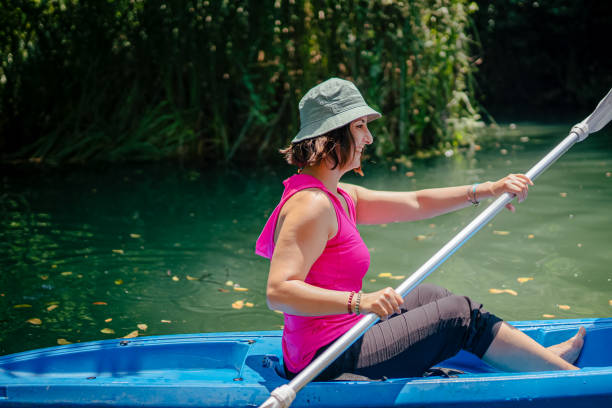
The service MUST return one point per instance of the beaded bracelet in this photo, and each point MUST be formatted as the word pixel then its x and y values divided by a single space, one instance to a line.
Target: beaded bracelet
pixel 473 199
pixel 357 303
pixel 349 305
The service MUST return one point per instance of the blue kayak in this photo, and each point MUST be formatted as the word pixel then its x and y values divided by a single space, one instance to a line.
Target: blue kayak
pixel 241 369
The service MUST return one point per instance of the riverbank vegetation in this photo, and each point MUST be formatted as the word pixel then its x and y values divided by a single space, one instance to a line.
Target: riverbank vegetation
pixel 220 80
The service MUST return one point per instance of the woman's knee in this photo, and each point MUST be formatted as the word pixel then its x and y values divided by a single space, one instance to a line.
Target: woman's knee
pixel 430 293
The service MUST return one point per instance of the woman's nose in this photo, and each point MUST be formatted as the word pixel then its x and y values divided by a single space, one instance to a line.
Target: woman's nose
pixel 369 139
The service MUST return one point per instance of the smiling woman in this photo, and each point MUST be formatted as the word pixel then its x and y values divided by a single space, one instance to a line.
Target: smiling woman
pixel 318 260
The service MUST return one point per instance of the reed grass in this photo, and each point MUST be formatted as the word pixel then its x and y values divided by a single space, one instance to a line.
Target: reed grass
pixel 220 80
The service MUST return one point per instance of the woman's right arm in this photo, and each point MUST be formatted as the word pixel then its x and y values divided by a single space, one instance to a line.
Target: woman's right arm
pixel 305 223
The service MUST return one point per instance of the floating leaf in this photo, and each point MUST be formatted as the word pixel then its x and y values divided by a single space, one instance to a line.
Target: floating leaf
pixel 549 316
pixel 249 304
pixel 432 225
pixel 523 280
pixel 397 277
pixel 100 303
pixel 106 330
pixel 239 289
pixel 24 305
pixel 142 326
pixel 501 232
pixel 191 278
pixel 119 282
pixel 118 251
pixel 131 335
pixel 63 342
pixel 239 304
pixel 564 307
pixel 110 319
pixel 67 273
pixel 610 302
pixel 50 308
pixel 35 321
pixel 563 194
pixel 420 237
pixel 410 174
pixel 229 283
pixel 175 278
pixel 384 275
pixel 383 225
pixel 530 236
pixel 498 291
pixel 135 236
pixel 223 290
pixel 166 321
pixel 44 277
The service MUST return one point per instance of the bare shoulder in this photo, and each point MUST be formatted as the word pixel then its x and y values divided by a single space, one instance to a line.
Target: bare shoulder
pixel 309 205
pixel 353 190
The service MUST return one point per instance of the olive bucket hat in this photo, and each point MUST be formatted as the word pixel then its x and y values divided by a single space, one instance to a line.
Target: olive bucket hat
pixel 330 105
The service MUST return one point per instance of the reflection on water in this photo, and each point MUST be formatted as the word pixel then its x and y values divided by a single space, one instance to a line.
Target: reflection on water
pixel 90 249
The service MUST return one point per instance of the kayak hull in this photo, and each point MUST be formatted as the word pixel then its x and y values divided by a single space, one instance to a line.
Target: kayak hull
pixel 241 369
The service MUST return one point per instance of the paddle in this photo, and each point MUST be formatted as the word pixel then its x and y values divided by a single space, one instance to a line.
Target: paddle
pixel 284 395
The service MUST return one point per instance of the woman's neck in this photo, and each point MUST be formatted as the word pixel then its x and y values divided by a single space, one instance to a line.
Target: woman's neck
pixel 329 178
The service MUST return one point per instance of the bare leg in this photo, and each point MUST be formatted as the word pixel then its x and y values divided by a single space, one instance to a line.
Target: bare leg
pixel 514 351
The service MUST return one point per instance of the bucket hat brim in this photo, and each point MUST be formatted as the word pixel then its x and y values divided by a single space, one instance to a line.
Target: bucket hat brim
pixel 321 127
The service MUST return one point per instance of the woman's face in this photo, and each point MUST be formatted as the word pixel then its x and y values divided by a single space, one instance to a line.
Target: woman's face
pixel 362 137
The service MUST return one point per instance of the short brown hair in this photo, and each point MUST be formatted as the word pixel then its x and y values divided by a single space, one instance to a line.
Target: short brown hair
pixel 311 152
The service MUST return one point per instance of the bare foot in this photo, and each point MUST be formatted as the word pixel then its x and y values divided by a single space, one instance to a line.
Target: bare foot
pixel 569 350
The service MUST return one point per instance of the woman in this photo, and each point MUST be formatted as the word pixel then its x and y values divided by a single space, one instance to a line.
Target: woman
pixel 318 260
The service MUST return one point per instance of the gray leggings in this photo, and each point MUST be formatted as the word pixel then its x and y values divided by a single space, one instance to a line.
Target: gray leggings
pixel 433 326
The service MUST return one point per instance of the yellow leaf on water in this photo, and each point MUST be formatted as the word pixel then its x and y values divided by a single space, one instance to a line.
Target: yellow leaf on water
pixel 523 280
pixel 239 304
pixel 135 236
pixel 239 289
pixel 191 278
pixel 166 321
pixel 511 292
pixel 549 316
pixel 35 321
pixel 610 302
pixel 563 194
pixel 530 236
pixel 495 291
pixel 249 304
pixel 106 330
pixel 110 319
pixel 501 232
pixel 63 342
pixel 175 278
pixel 498 291
pixel 420 237
pixel 119 282
pixel 229 283
pixel 384 275
pixel 24 305
pixel 564 307
pixel 142 326
pixel 118 251
pixel 131 335
pixel 397 277
pixel 50 308
pixel 67 273
pixel 100 303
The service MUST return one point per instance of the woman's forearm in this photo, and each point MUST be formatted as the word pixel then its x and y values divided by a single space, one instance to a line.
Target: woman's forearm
pixel 437 201
pixel 299 298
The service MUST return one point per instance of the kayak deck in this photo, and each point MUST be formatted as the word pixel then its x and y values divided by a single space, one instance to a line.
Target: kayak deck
pixel 241 369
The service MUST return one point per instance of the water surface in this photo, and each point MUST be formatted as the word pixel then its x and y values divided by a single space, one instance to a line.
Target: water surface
pixel 90 253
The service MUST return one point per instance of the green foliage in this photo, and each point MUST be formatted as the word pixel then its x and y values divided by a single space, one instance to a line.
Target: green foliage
pixel 219 79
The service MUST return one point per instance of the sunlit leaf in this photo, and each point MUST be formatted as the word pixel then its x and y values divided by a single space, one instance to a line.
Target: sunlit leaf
pixel 106 330
pixel 118 281
pixel 142 326
pixel 249 304
pixel 420 237
pixel 50 308
pixel 131 335
pixel 239 304
pixel 135 236
pixel 610 302
pixel 223 290
pixel 511 292
pixel 523 280
pixel 166 321
pixel 432 225
pixel 501 232
pixel 191 278
pixel 24 305
pixel 530 236
pixel 67 273
pixel 229 283
pixel 44 277
pixel 549 316
pixel 498 291
pixel 35 321
pixel 564 307
pixel 100 303
pixel 175 278
pixel 118 251
pixel 384 275
pixel 397 277
pixel 410 174
pixel 63 342
pixel 563 194
pixel 239 289
pixel 110 319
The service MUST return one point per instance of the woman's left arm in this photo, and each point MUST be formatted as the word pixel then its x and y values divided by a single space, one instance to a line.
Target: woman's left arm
pixel 381 207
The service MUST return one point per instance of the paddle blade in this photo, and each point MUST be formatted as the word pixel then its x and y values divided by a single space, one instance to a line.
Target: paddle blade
pixel 601 115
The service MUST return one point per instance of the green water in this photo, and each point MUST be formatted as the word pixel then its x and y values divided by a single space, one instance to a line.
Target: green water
pixel 157 244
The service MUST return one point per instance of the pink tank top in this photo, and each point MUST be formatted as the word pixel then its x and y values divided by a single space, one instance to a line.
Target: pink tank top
pixel 342 266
